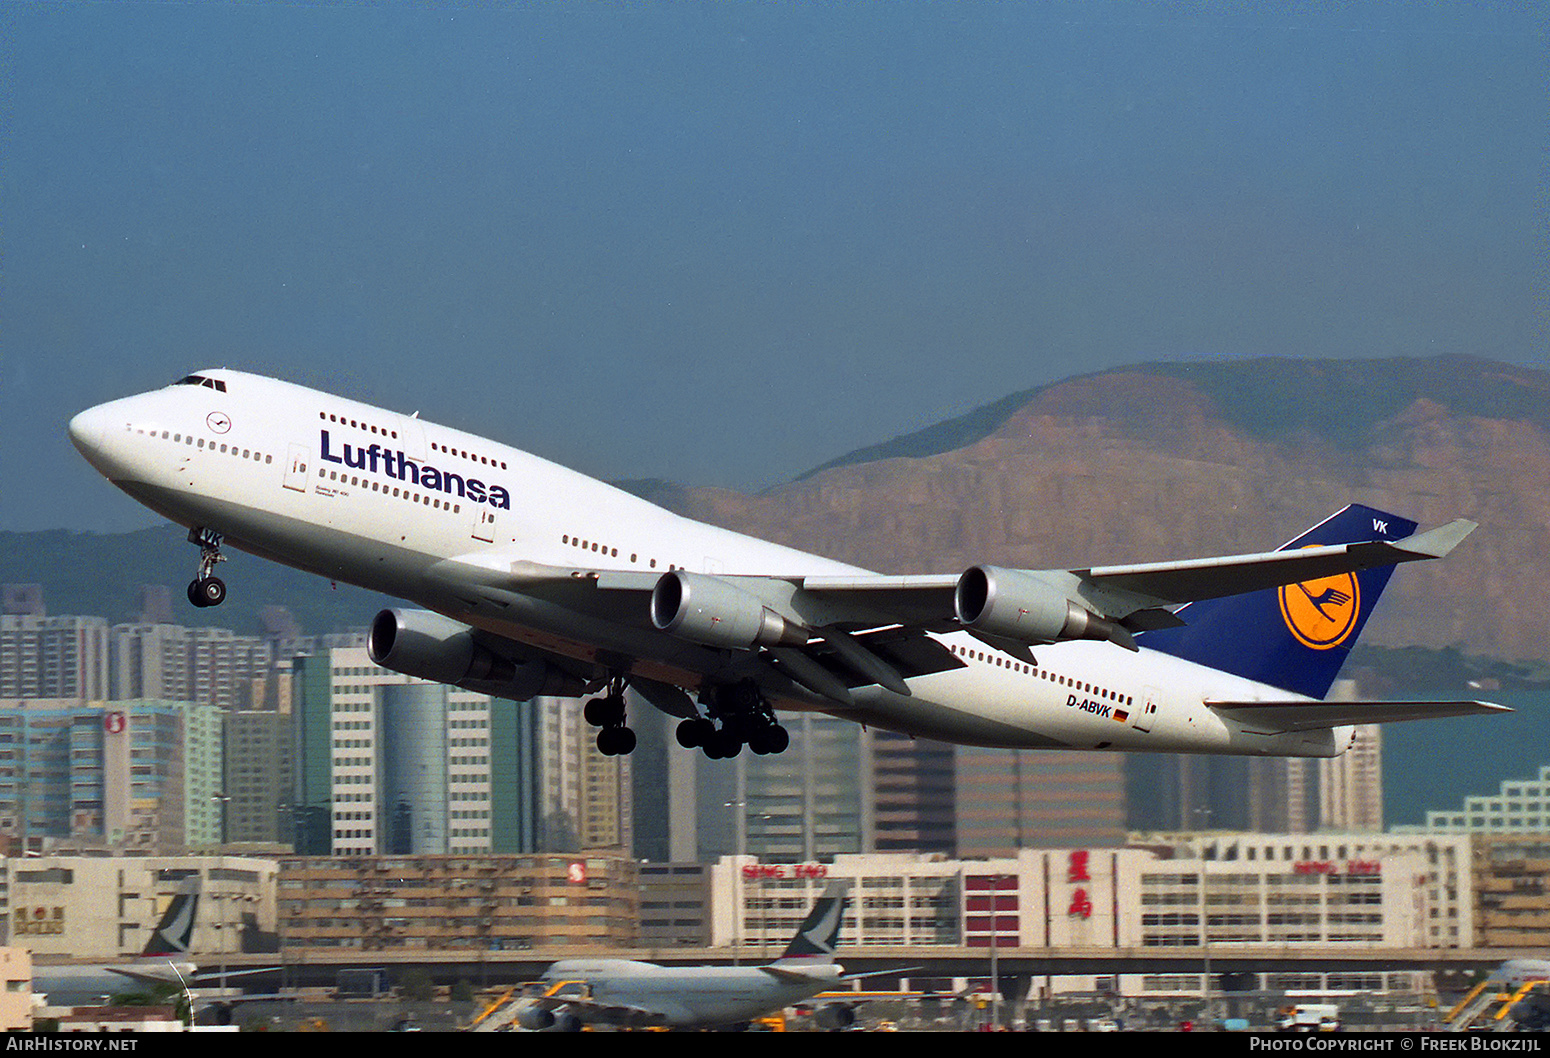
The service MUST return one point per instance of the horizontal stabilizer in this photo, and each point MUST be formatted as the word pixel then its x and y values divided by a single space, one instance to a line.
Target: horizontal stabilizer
pixel 1311 715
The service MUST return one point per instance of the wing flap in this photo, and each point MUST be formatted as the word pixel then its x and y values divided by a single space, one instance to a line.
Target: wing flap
pixel 1304 715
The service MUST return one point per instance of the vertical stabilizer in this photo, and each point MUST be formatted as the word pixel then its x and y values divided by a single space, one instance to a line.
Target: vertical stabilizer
pixel 819 934
pixel 1295 637
pixel 174 934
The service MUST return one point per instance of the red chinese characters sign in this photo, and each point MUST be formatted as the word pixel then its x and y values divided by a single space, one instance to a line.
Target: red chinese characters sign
pixel 755 871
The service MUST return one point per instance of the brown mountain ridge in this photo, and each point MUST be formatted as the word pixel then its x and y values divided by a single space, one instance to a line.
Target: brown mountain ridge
pixel 1179 460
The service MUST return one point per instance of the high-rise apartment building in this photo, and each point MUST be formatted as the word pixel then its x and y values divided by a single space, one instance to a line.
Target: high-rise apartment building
pixel 585 798
pixel 389 764
pixel 53 657
pixel 140 775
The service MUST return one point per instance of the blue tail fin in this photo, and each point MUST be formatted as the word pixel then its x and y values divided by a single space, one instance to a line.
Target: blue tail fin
pixel 1295 637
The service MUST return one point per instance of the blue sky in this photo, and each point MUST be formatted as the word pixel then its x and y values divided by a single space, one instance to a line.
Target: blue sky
pixel 724 243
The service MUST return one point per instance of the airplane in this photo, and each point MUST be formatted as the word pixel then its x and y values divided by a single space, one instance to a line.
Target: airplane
pixel 1515 987
pixel 163 962
pixel 1515 973
pixel 529 579
pixel 641 994
pixel 1527 984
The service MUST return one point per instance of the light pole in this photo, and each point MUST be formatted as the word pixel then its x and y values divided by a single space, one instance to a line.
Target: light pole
pixel 1205 926
pixel 995 973
pixel 740 828
pixel 221 800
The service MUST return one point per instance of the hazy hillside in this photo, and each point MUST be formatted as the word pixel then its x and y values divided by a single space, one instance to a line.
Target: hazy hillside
pixel 1177 460
pixel 102 574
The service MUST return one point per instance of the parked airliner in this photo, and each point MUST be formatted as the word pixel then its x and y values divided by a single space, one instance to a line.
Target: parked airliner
pixel 628 992
pixel 165 961
pixel 531 579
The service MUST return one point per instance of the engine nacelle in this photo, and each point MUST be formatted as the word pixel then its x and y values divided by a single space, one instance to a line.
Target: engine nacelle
pixel 835 1016
pixel 707 610
pixel 432 647
pixel 1019 606
pixel 535 1019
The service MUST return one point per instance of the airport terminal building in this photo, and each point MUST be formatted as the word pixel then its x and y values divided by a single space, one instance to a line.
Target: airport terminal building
pixel 1212 891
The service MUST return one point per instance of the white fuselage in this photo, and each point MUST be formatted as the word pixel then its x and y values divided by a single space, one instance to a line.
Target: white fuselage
pixel 691 996
pixel 379 499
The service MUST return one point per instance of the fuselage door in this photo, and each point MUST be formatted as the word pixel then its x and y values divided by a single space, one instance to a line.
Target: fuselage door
pixel 296 468
pixel 484 523
pixel 1147 714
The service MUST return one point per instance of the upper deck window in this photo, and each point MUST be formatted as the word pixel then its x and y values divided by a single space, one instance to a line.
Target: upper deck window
pixel 201 380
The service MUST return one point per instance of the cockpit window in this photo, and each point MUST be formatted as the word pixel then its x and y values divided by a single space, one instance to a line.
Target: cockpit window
pixel 201 380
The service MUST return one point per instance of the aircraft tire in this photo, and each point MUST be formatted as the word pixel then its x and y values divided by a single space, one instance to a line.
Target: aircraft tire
pixel 694 732
pixel 615 741
pixel 211 591
pixel 723 745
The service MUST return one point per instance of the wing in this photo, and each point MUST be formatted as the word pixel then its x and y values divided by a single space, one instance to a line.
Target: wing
pixel 589 1010
pixel 1212 578
pixel 830 634
pixel 1312 715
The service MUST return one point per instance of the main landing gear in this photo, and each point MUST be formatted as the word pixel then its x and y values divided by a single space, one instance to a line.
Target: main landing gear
pixel 205 589
pixel 614 739
pixel 745 718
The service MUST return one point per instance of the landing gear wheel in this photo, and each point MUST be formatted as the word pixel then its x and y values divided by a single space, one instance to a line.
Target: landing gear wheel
pixel 210 591
pixel 207 590
pixel 615 741
pixel 743 716
pixel 771 738
pixel 723 745
pixel 607 713
pixel 695 732
pixel 604 712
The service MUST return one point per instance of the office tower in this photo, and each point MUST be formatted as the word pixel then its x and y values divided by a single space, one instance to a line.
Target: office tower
pixel 663 776
pixel 386 763
pixel 815 800
pixel 915 794
pixel 258 777
pixel 1016 799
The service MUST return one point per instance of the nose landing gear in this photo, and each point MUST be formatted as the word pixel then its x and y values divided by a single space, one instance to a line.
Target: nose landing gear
pixel 205 589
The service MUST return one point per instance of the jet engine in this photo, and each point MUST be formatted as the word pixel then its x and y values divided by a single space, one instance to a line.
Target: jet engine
pixel 431 647
pixel 535 1019
pixel 539 1019
pixel 712 612
pixel 1019 606
pixel 835 1016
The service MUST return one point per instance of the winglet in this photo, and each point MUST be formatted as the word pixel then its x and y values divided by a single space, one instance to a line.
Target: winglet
pixel 1436 543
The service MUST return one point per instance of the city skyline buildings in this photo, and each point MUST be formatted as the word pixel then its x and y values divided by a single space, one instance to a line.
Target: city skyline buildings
pixel 227 766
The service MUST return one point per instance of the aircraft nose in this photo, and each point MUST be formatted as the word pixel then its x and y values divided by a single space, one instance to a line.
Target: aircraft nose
pixel 86 430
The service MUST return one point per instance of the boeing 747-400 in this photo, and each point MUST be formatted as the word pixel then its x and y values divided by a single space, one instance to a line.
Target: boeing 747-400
pixel 526 579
